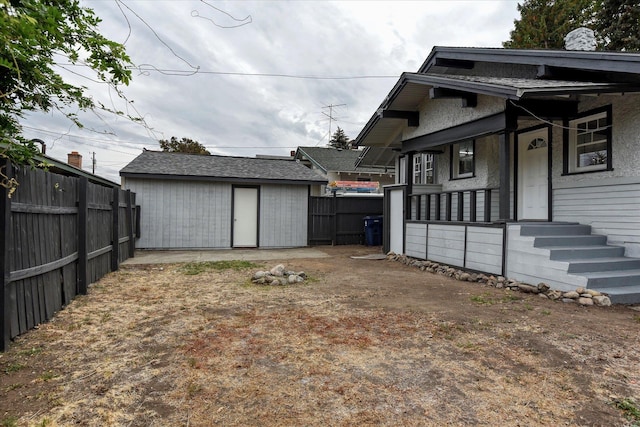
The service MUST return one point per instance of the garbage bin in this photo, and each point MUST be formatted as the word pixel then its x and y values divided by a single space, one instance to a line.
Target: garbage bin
pixel 373 230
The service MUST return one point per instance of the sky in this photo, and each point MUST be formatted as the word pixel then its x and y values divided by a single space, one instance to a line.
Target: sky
pixel 256 77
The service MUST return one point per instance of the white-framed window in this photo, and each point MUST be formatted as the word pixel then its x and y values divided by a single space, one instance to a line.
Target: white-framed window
pixel 588 147
pixel 401 176
pixel 423 168
pixel 462 159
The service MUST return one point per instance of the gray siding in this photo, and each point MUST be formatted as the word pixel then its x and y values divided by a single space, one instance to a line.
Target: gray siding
pixel 416 240
pixel 446 244
pixel 283 216
pixel 182 214
pixel 611 207
pixel 484 249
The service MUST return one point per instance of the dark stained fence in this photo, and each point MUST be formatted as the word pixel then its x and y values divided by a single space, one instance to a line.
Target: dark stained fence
pixel 340 220
pixel 58 236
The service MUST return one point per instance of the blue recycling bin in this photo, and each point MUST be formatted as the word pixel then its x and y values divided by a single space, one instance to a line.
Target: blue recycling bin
pixel 373 230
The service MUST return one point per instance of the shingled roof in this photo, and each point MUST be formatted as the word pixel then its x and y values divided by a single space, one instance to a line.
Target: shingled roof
pixel 163 165
pixel 333 160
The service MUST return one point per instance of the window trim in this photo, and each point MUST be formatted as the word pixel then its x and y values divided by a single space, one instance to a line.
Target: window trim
pixel 454 161
pixel 569 142
pixel 419 176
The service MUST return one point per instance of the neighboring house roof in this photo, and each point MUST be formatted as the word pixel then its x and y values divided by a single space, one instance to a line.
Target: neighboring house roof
pixel 163 165
pixel 335 160
pixel 548 74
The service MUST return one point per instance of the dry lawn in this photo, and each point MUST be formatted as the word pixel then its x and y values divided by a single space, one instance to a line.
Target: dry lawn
pixel 362 343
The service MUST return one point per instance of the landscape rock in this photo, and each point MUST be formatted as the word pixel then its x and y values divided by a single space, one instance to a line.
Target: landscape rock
pixel 571 295
pixel 602 300
pixel 278 270
pixel 585 301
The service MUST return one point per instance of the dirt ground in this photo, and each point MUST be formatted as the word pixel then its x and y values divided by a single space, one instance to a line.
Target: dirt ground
pixel 362 342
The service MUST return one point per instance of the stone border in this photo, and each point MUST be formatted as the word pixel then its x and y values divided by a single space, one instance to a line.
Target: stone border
pixel 580 296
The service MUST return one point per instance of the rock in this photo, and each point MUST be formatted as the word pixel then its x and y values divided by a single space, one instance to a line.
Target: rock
pixel 278 270
pixel 465 277
pixel 497 285
pixel 571 295
pixel 541 295
pixel 301 274
pixel 602 300
pixel 543 287
pixel 275 282
pixel 259 274
pixel 568 300
pixel 585 301
pixel 501 279
pixel 528 288
pixel 292 279
pixel 554 294
pixel 593 292
pixel 586 295
pixel 581 290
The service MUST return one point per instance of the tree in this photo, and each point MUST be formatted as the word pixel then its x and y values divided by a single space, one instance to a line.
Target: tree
pixel 34 33
pixel 543 24
pixel 340 140
pixel 185 145
pixel 617 24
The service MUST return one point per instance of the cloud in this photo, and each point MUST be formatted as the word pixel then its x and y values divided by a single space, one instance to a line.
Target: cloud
pixel 249 114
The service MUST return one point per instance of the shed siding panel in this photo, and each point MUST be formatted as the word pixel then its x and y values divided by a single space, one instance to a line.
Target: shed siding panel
pixel 416 240
pixel 446 244
pixel 183 214
pixel 283 216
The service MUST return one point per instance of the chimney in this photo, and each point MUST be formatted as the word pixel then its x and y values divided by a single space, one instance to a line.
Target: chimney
pixel 75 159
pixel 580 39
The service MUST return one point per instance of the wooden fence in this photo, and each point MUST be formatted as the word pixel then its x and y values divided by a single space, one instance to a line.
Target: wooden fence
pixel 340 220
pixel 59 233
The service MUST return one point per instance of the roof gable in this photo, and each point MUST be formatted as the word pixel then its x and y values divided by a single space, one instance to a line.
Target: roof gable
pixel 333 160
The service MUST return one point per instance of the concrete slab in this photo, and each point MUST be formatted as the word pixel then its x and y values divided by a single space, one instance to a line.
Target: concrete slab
pixel 171 257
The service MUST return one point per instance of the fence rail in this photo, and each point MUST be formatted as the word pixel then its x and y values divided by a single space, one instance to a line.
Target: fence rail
pixel 339 220
pixel 60 233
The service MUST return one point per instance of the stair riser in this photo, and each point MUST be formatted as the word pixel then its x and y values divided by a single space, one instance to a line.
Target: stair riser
pixel 574 254
pixel 555 230
pixel 570 241
pixel 613 282
pixel 630 298
pixel 630 264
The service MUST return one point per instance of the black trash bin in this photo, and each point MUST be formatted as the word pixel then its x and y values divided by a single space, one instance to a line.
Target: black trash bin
pixel 373 230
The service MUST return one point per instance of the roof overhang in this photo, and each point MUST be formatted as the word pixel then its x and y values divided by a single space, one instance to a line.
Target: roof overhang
pixel 169 177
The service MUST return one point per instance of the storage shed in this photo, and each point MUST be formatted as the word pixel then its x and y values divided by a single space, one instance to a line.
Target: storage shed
pixel 190 201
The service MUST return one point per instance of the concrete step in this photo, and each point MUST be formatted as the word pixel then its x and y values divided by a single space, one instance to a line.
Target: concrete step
pixel 603 264
pixel 622 295
pixel 612 279
pixel 570 240
pixel 582 253
pixel 554 229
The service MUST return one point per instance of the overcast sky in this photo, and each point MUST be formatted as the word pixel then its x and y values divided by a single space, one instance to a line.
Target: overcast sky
pixel 247 78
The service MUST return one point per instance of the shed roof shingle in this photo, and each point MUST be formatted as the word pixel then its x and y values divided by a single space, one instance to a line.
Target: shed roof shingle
pixel 334 160
pixel 158 164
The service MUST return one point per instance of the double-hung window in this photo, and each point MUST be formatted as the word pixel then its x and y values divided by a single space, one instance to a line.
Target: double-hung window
pixel 462 160
pixel 588 142
pixel 423 168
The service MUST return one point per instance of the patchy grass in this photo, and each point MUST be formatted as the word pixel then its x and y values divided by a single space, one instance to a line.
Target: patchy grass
pixel 629 408
pixel 195 268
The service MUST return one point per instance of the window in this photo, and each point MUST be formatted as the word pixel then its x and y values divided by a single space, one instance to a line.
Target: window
pixel 423 168
pixel 462 159
pixel 589 143
pixel 401 176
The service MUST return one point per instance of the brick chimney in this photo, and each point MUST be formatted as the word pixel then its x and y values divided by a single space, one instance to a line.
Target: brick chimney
pixel 75 159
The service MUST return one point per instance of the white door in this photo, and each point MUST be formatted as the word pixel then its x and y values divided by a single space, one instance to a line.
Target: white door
pixel 396 222
pixel 533 175
pixel 245 217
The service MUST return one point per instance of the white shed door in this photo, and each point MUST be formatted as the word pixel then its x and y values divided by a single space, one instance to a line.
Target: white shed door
pixel 245 217
pixel 533 175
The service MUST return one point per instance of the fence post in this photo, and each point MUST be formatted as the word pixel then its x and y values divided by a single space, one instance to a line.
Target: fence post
pixel 460 206
pixel 83 220
pixel 115 239
pixel 473 199
pixel 334 236
pixel 5 223
pixel 132 243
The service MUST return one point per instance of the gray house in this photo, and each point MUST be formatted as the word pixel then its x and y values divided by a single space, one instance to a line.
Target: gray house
pixel 518 162
pixel 341 166
pixel 192 201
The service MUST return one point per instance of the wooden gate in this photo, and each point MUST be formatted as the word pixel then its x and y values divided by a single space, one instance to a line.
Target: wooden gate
pixel 340 220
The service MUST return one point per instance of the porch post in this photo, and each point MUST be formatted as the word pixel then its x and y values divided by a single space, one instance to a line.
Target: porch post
pixel 505 176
